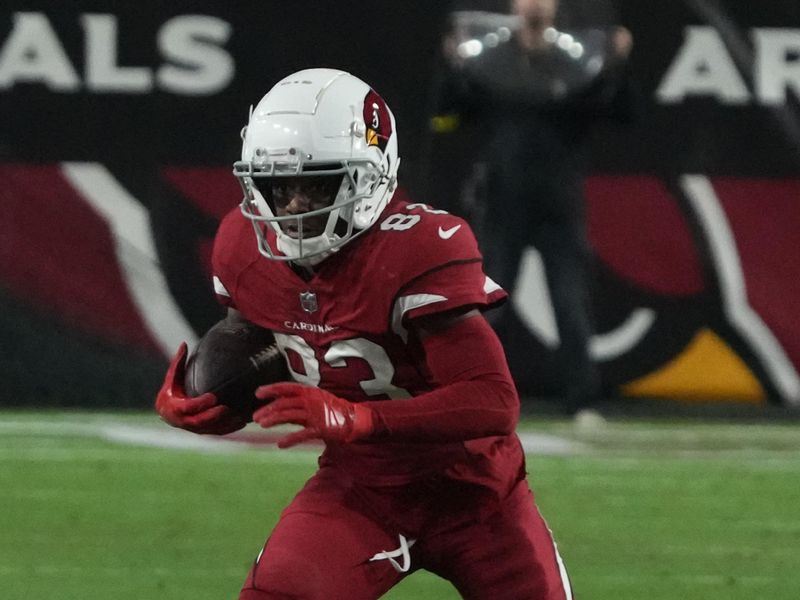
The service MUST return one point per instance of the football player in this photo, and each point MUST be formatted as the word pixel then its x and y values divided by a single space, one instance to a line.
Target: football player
pixel 376 305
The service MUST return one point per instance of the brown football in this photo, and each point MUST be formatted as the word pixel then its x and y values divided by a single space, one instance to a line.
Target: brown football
pixel 231 360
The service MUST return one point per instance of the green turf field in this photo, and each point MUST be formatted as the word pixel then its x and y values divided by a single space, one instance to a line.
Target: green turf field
pixel 92 508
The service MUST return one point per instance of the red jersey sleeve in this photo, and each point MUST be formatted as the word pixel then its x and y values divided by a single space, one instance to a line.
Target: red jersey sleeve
pixel 475 395
pixel 453 285
pixel 231 254
pixel 444 268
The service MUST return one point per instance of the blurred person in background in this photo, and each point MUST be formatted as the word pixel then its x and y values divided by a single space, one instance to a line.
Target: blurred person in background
pixel 377 307
pixel 536 93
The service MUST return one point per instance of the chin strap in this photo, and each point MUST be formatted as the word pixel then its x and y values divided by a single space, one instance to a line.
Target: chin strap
pixel 402 551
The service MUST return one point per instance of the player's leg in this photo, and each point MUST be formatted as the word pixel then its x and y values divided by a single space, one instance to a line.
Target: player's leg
pixel 567 258
pixel 321 549
pixel 510 555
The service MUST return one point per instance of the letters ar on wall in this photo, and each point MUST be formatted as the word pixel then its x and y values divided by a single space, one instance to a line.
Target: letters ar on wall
pixel 122 126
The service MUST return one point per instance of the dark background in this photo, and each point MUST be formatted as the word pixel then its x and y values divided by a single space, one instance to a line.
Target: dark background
pixel 48 357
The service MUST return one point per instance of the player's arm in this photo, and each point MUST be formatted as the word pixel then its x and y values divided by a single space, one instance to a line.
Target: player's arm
pixel 199 414
pixel 475 394
pixel 475 397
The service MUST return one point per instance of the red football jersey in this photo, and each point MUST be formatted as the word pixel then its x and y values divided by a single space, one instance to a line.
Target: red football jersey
pixel 346 329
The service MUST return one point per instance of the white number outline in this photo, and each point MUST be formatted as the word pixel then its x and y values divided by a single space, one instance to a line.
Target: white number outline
pixel 402 221
pixel 339 350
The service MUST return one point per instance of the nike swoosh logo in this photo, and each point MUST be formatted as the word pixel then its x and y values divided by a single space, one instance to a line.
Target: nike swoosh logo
pixel 333 418
pixel 446 234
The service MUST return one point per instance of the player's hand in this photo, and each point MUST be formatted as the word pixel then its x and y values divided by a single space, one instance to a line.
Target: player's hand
pixel 321 414
pixel 200 414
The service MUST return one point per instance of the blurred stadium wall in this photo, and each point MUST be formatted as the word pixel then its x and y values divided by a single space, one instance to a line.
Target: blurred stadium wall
pixel 120 123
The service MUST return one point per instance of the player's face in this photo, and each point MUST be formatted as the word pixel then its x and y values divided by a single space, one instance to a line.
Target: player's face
pixel 535 12
pixel 299 195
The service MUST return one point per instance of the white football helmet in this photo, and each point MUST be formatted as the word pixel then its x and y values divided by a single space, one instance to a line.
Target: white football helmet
pixel 318 123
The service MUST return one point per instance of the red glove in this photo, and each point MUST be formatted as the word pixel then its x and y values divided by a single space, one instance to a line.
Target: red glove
pixel 322 415
pixel 200 414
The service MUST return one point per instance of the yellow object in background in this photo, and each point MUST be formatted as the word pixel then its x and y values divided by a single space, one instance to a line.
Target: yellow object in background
pixel 708 369
pixel 445 123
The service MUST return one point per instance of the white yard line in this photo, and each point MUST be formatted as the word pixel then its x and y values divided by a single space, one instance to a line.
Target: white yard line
pixel 170 438
pixel 614 442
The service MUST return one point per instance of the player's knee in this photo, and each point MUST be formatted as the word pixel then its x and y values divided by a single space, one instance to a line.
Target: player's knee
pixel 285 578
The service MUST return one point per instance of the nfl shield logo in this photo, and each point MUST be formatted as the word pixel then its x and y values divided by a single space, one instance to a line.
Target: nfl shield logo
pixel 308 300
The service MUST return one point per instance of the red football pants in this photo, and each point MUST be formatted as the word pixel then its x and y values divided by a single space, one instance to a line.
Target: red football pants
pixel 322 546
